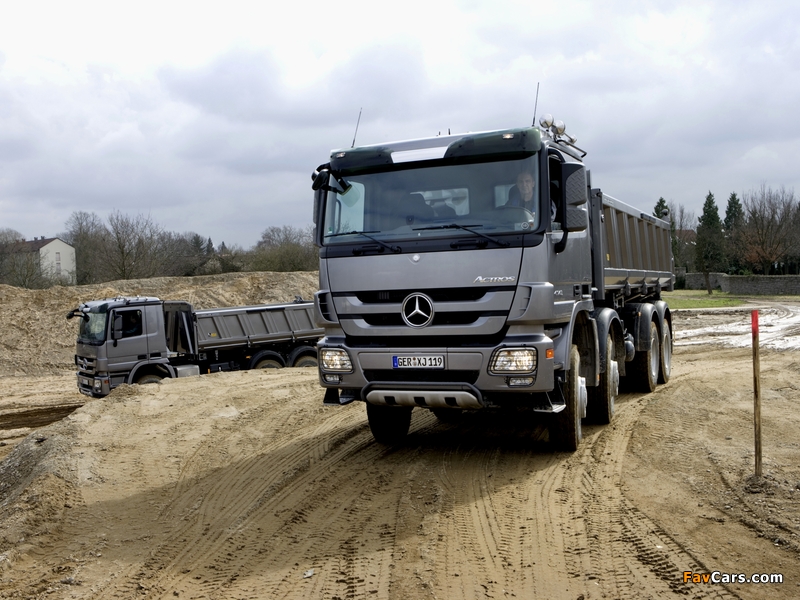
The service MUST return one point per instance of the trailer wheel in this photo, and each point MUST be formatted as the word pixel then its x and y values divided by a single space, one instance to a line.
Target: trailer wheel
pixel 666 354
pixel 646 363
pixel 565 430
pixel 306 361
pixel 602 397
pixel 268 363
pixel 389 424
pixel 145 379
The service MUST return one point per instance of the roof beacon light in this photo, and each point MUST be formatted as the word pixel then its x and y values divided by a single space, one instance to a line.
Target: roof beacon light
pixel 508 136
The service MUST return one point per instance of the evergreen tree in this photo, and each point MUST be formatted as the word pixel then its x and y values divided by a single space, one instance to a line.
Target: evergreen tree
pixel 734 228
pixel 661 208
pixel 710 248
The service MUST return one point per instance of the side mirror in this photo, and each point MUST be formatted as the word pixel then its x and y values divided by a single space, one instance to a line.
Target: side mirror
pixel 573 182
pixel 116 327
pixel 577 219
pixel 320 180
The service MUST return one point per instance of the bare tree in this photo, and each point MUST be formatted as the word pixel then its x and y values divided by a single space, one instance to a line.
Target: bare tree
pixel 87 233
pixel 684 225
pixel 134 247
pixel 285 248
pixel 770 233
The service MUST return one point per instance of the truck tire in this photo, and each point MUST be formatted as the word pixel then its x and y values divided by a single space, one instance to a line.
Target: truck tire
pixel 145 379
pixel 306 361
pixel 646 363
pixel 268 363
pixel 603 397
pixel 389 424
pixel 565 430
pixel 665 370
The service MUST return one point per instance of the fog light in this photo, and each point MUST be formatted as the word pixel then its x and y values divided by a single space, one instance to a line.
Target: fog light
pixel 332 378
pixel 519 381
pixel 513 360
pixel 335 359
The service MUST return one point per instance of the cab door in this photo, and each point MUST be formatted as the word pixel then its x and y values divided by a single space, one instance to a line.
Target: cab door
pixel 128 341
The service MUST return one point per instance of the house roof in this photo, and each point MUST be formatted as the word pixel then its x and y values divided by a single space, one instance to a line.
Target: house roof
pixel 36 245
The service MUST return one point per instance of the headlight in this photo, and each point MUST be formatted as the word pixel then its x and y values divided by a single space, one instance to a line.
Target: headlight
pixel 513 360
pixel 335 359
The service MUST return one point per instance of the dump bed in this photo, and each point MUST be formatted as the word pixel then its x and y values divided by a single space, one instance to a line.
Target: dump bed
pixel 636 252
pixel 251 325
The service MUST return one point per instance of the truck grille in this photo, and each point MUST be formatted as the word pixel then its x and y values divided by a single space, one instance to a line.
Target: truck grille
pixel 473 311
pixel 87 366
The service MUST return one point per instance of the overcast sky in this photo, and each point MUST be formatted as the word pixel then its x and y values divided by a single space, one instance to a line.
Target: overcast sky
pixel 210 117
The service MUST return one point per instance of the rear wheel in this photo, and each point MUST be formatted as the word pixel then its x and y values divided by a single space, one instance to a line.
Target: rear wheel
pixel 306 361
pixel 565 430
pixel 144 379
pixel 666 354
pixel 602 397
pixel 646 363
pixel 268 363
pixel 389 424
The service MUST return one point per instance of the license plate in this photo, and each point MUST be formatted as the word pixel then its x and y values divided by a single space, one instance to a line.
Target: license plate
pixel 85 381
pixel 435 361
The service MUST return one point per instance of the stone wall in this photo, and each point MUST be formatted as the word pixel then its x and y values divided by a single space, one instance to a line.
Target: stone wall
pixel 762 285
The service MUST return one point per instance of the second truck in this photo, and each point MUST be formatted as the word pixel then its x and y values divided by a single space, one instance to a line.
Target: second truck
pixel 484 270
pixel 144 339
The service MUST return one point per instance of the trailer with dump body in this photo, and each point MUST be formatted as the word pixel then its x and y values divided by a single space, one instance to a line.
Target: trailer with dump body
pixel 483 270
pixel 144 340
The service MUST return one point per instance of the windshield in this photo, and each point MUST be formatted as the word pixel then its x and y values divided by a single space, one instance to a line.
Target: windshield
pixel 93 331
pixel 439 201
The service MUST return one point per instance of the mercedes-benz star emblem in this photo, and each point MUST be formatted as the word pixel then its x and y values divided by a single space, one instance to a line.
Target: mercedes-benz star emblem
pixel 417 310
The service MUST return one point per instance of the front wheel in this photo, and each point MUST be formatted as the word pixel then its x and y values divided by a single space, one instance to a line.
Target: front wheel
pixel 145 379
pixel 566 432
pixel 389 424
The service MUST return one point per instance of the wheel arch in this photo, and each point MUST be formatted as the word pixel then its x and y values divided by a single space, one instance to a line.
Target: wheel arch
pixel 271 354
pixel 144 368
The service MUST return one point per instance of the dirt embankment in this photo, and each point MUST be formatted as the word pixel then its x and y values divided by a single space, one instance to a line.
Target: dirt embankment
pixel 242 485
pixel 37 339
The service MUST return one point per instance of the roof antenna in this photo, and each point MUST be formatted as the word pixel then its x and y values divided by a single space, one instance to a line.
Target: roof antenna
pixel 357 122
pixel 535 105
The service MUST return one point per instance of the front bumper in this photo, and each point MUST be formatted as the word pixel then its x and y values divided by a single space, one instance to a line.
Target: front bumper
pixel 93 385
pixel 465 381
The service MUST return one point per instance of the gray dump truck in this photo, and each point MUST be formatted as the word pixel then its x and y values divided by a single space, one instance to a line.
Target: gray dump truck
pixel 144 340
pixel 483 270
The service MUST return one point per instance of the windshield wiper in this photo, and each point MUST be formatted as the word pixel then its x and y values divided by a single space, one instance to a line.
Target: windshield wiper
pixel 501 243
pixel 389 247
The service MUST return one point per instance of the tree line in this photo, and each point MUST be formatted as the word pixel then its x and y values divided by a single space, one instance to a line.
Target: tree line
pixel 135 247
pixel 760 234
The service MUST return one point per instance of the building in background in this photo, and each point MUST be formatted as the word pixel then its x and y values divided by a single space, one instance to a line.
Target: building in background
pixel 38 262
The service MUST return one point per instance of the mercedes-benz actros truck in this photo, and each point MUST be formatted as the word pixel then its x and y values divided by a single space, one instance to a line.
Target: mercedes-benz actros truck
pixel 484 270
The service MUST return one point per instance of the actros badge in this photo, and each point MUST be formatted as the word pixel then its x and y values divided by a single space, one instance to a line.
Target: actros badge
pixel 417 310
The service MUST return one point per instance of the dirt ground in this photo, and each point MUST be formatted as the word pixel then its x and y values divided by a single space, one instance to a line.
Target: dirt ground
pixel 242 485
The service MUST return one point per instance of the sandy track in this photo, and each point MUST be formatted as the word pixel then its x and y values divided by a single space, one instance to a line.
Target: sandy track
pixel 242 485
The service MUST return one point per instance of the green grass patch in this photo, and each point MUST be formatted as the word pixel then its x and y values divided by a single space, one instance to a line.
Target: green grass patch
pixel 700 299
